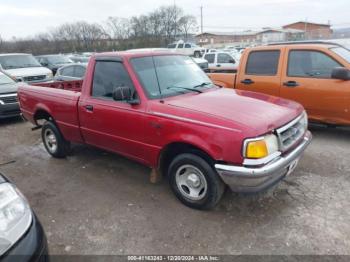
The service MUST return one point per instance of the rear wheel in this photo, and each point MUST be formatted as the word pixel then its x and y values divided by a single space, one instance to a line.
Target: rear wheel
pixel 53 140
pixel 195 182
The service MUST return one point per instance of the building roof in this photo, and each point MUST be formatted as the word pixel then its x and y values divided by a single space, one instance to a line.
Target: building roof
pixel 281 30
pixel 229 33
pixel 309 23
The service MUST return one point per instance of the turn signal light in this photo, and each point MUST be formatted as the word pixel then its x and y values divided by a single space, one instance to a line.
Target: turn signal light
pixel 257 149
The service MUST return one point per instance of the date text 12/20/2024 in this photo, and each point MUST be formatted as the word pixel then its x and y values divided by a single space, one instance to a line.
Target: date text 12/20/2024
pixel 173 258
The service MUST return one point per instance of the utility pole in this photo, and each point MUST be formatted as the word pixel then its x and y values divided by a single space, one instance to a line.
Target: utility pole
pixel 175 20
pixel 305 30
pixel 201 19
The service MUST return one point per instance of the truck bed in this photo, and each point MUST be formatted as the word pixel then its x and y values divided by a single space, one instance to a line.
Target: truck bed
pixel 59 100
pixel 74 85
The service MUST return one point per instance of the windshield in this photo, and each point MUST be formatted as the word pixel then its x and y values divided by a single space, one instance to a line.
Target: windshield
pixel 18 61
pixel 4 79
pixel 163 76
pixel 343 52
pixel 59 59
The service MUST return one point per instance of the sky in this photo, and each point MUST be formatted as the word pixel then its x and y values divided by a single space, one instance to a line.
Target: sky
pixel 23 18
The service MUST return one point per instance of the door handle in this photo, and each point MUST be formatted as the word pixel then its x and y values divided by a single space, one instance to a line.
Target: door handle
pixel 291 84
pixel 247 81
pixel 218 65
pixel 89 108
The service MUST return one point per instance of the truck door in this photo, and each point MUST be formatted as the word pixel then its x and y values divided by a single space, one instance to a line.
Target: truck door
pixel 306 78
pixel 113 125
pixel 260 71
pixel 226 63
pixel 210 57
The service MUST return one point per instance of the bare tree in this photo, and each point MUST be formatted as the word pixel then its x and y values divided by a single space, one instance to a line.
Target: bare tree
pixel 156 28
pixel 187 24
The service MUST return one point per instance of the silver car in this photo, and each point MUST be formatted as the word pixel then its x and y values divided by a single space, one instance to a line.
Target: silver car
pixel 71 72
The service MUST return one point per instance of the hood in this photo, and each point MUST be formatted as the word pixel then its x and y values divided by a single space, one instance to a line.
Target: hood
pixel 30 71
pixel 9 88
pixel 254 111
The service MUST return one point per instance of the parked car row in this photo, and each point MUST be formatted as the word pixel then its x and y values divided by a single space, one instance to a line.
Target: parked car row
pixel 25 68
pixel 9 106
pixel 202 137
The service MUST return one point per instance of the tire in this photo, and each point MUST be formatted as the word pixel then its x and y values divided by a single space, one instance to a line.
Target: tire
pixel 54 142
pixel 197 54
pixel 195 182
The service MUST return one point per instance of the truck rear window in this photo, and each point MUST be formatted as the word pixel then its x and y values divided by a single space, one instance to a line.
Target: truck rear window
pixel 263 63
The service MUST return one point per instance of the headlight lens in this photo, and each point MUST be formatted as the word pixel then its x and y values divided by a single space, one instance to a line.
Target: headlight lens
pixel 262 147
pixel 15 216
pixel 49 75
pixel 305 121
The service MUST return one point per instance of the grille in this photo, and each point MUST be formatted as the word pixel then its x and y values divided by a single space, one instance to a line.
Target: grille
pixel 9 99
pixel 291 133
pixel 33 78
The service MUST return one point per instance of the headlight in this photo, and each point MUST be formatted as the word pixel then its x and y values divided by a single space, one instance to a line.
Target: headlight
pixel 49 75
pixel 15 216
pixel 261 147
pixel 305 121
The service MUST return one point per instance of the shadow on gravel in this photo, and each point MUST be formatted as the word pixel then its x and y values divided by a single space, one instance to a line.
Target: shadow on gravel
pixel 333 131
pixel 11 121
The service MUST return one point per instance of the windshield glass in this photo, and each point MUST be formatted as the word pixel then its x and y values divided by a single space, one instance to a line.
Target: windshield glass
pixel 4 79
pixel 163 76
pixel 18 61
pixel 344 53
pixel 59 59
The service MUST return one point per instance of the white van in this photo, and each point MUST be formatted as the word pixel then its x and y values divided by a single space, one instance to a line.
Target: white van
pixel 24 67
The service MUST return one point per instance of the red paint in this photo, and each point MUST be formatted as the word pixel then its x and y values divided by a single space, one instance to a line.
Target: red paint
pixel 216 121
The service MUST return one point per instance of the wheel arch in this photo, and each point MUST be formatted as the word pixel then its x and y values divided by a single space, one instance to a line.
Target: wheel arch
pixel 42 114
pixel 170 151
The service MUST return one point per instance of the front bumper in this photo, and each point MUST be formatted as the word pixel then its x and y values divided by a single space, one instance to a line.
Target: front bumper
pixel 9 110
pixel 244 179
pixel 31 247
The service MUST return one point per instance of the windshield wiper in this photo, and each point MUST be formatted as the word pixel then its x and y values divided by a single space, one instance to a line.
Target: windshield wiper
pixel 203 84
pixel 185 88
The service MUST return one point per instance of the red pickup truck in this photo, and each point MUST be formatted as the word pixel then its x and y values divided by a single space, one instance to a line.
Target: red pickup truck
pixel 162 110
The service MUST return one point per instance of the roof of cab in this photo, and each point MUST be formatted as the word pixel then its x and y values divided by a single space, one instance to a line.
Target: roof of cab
pixel 136 53
pixel 9 54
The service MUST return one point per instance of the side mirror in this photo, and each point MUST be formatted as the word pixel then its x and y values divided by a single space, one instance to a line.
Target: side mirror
pixel 341 73
pixel 125 93
pixel 232 61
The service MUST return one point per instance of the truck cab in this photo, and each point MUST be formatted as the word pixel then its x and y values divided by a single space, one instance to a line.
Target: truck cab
pixel 315 74
pixel 306 73
pixel 222 62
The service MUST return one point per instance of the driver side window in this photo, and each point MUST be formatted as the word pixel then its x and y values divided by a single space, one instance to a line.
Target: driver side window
pixel 107 76
pixel 311 64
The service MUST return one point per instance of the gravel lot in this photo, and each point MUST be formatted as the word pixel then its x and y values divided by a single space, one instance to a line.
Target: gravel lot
pixel 95 202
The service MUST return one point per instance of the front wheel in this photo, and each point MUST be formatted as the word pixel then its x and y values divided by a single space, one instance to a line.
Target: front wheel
pixel 53 140
pixel 194 182
pixel 197 54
